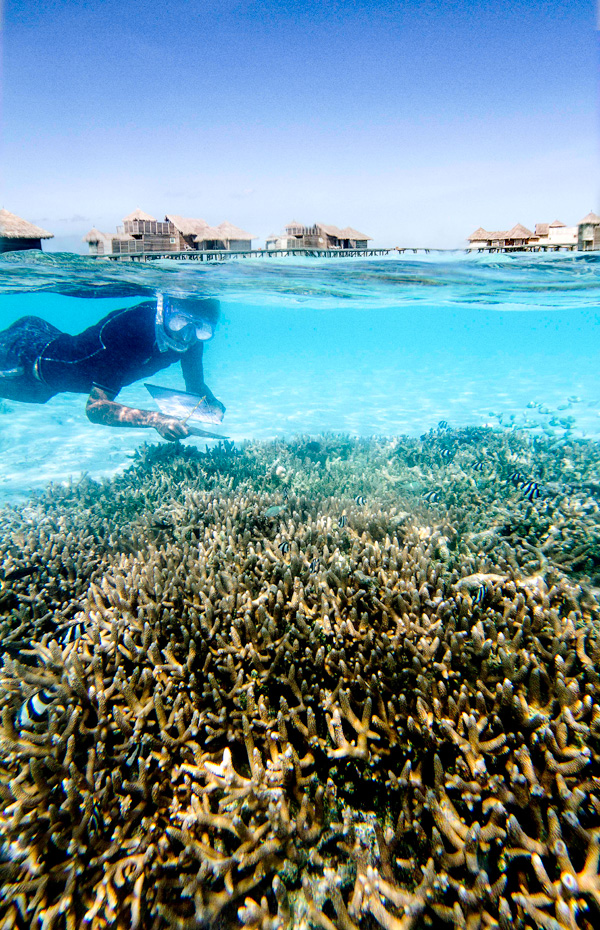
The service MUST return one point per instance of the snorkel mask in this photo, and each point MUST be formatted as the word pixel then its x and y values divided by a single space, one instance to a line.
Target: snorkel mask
pixel 188 319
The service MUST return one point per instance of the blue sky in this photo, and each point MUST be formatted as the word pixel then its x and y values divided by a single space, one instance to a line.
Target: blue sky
pixel 413 121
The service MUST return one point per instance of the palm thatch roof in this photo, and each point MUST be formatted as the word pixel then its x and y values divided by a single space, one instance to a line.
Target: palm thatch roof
pixel 13 227
pixel 518 232
pixel 541 229
pixel 187 226
pixel 556 224
pixel 210 234
pixel 230 231
pixel 480 233
pixel 350 233
pixel 138 215
pixel 95 235
pixel 590 218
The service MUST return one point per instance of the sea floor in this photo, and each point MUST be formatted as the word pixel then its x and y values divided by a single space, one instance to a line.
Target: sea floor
pixel 282 398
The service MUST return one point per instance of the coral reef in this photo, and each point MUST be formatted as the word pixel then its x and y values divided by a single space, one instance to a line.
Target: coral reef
pixel 224 705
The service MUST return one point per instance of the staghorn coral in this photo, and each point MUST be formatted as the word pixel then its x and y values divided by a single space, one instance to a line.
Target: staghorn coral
pixel 392 719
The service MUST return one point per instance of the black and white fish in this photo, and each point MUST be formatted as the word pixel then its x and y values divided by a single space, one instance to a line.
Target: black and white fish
pixel 517 479
pixel 69 634
pixel 315 565
pixel 284 547
pixel 360 500
pixel 531 491
pixel 34 709
pixel 478 466
pixel 342 521
pixel 443 424
pixel 446 453
pixel 94 824
pixel 480 594
pixel 432 497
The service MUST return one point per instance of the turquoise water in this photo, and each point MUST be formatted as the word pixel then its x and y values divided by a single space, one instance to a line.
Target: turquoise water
pixel 375 347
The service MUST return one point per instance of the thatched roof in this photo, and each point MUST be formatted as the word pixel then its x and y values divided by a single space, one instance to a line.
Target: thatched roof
pixel 13 227
pixel 590 218
pixel 541 229
pixel 350 233
pixel 187 226
pixel 95 235
pixel 557 224
pixel 518 232
pixel 233 232
pixel 480 233
pixel 139 215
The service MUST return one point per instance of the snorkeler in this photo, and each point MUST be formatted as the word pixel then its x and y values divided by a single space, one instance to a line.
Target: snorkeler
pixel 38 361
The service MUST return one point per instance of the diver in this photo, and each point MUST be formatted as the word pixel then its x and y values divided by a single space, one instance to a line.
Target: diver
pixel 38 361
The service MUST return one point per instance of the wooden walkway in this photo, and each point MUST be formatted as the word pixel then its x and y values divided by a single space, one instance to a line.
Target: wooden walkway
pixel 223 255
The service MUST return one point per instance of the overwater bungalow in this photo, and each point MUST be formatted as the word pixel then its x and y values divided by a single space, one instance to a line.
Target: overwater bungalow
pixel 317 236
pixel 588 238
pixel 516 237
pixel 143 233
pixel 17 234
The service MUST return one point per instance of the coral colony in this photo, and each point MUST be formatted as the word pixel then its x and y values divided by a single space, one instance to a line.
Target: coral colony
pixel 224 705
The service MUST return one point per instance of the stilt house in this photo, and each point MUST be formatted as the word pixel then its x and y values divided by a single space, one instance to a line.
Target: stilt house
pixel 16 234
pixel 141 232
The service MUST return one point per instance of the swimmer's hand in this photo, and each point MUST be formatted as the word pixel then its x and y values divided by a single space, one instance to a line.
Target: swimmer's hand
pixel 170 427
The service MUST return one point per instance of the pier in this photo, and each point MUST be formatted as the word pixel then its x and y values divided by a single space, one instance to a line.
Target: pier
pixel 222 255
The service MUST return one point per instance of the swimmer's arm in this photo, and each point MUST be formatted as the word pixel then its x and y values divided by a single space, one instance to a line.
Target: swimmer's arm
pixel 193 374
pixel 102 408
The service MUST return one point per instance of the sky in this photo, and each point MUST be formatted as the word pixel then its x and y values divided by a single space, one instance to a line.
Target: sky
pixel 414 122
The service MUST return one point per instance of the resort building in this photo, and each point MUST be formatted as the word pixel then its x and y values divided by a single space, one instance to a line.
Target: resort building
pixel 588 239
pixel 318 236
pixel 141 232
pixel 585 236
pixel 16 234
pixel 513 238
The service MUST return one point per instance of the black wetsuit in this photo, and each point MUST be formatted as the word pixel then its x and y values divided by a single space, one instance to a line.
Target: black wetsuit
pixel 120 349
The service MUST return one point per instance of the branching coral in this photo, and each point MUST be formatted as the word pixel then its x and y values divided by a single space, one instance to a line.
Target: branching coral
pixel 385 720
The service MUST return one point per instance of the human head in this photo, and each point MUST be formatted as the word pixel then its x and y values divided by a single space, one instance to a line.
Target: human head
pixel 188 319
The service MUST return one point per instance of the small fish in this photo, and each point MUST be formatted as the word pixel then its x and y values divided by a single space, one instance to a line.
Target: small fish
pixel 443 424
pixel 274 511
pixel 94 823
pixel 432 497
pixel 480 594
pixel 285 494
pixel 161 525
pixel 284 547
pixel 532 491
pixel 446 453
pixel 315 565
pixel 35 707
pixel 18 573
pixel 72 632
pixel 342 521
pixel 478 466
pixel 517 479
pixel 360 500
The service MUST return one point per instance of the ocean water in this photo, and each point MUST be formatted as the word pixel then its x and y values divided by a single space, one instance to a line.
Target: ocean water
pixel 374 347
pixel 342 672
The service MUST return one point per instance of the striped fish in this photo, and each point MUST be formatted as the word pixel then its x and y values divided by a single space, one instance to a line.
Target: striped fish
pixel 432 497
pixel 443 424
pixel 446 453
pixel 478 466
pixel 284 547
pixel 315 565
pixel 480 594
pixel 517 479
pixel 34 709
pixel 342 521
pixel 360 500
pixel 531 491
pixel 71 633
